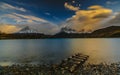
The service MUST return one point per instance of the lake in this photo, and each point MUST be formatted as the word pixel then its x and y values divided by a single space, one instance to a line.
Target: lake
pixel 54 50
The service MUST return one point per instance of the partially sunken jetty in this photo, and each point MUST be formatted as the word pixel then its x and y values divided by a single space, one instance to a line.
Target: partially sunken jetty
pixel 74 62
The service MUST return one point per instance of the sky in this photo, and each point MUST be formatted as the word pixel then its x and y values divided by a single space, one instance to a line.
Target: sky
pixel 80 15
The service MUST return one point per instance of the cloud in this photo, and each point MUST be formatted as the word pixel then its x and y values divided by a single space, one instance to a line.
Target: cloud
pixel 9 14
pixel 20 18
pixel 114 21
pixel 35 23
pixel 47 13
pixel 7 28
pixel 5 6
pixel 95 7
pixel 46 28
pixel 13 17
pixel 90 19
pixel 29 17
pixel 70 7
pixel 112 2
pixel 13 20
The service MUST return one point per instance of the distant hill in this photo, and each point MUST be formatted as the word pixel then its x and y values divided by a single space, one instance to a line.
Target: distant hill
pixel 108 32
pixel 112 31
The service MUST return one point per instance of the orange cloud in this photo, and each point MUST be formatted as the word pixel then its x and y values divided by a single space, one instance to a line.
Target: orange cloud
pixel 90 19
pixel 70 7
pixel 5 28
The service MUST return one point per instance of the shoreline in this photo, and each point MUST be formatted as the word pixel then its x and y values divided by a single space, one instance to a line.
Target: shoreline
pixel 73 65
pixel 91 69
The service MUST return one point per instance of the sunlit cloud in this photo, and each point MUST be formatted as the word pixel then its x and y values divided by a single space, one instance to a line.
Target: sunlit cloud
pixel 70 7
pixel 13 17
pixel 5 6
pixel 45 28
pixel 20 18
pixel 11 21
pixel 90 19
pixel 7 28
pixel 29 17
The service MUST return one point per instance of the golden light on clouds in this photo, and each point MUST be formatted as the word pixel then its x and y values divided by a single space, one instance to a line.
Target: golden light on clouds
pixel 70 7
pixel 8 28
pixel 90 19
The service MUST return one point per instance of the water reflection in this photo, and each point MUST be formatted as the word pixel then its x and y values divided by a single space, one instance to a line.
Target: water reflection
pixel 49 50
pixel 99 50
pixel 54 50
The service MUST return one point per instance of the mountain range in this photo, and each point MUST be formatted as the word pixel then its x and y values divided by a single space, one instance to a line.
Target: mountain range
pixel 27 33
pixel 112 31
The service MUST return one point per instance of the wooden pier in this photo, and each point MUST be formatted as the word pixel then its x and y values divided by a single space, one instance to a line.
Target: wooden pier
pixel 74 62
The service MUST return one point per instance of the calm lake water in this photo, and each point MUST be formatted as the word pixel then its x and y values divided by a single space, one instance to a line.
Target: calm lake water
pixel 54 50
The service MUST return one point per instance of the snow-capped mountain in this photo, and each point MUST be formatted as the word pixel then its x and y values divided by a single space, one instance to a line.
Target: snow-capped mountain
pixel 27 30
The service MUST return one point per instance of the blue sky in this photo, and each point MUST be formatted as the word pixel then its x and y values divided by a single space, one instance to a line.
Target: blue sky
pixel 53 10
pixel 48 16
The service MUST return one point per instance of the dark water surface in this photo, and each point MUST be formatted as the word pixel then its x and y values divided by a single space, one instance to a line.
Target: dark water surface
pixel 54 50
